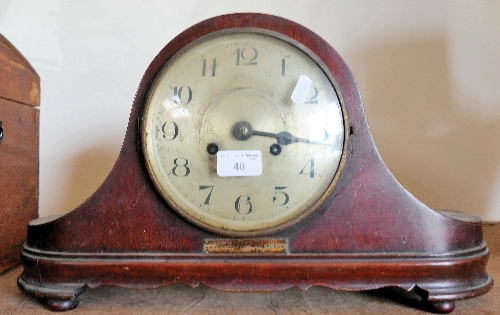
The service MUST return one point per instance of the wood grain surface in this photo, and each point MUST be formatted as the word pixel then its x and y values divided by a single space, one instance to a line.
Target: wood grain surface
pixel 19 93
pixel 18 80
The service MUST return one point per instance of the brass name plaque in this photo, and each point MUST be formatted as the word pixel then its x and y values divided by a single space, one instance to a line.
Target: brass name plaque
pixel 246 246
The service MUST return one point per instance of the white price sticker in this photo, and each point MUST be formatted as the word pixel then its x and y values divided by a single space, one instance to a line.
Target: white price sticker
pixel 239 163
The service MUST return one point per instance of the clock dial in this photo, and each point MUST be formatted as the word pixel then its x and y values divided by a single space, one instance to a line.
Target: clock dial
pixel 243 133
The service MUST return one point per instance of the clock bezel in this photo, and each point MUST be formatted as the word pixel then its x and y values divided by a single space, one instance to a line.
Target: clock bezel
pixel 300 215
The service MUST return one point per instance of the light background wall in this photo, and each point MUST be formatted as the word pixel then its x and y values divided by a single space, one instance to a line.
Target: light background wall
pixel 428 71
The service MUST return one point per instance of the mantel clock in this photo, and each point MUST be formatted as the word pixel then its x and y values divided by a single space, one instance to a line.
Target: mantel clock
pixel 248 165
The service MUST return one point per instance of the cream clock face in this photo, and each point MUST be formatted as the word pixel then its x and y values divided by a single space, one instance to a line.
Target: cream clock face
pixel 243 133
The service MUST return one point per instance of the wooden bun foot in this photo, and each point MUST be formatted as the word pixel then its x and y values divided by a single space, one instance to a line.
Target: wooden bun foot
pixel 442 307
pixel 61 305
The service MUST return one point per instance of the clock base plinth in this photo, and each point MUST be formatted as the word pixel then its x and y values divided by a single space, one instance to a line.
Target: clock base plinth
pixel 58 278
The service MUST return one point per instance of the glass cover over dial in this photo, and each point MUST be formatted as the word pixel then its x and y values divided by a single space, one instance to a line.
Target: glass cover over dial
pixel 243 133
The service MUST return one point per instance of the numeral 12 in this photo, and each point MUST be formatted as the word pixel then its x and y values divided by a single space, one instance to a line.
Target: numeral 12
pixel 241 56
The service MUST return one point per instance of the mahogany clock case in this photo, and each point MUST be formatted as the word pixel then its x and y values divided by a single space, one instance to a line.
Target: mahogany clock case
pixel 368 233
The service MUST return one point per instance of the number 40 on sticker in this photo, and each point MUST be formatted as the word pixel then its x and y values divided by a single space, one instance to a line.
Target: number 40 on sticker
pixel 239 166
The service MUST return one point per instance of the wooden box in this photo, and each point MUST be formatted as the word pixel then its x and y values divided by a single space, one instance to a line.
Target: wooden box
pixel 19 96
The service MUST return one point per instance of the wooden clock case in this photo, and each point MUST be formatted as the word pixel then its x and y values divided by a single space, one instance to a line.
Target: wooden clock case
pixel 369 233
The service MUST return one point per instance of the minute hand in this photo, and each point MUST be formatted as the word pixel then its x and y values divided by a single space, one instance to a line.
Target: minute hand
pixel 284 137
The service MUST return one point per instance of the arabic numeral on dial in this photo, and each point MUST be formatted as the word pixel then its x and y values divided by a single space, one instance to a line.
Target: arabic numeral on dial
pixel 170 130
pixel 182 164
pixel 314 98
pixel 204 67
pixel 308 169
pixel 327 135
pixel 183 95
pixel 207 200
pixel 243 205
pixel 246 58
pixel 279 194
